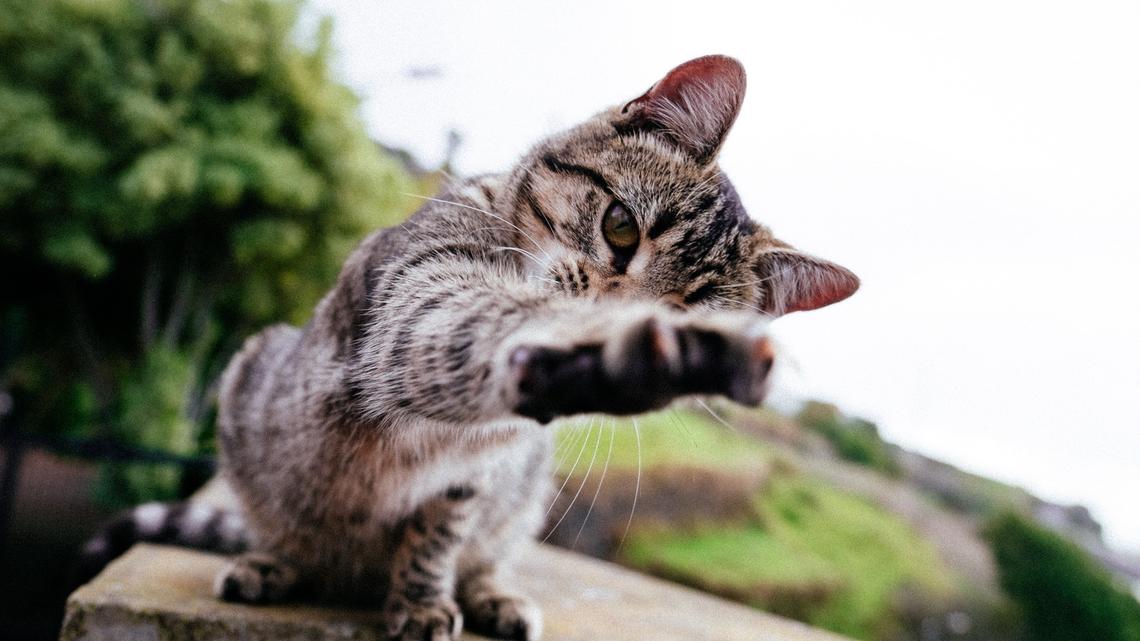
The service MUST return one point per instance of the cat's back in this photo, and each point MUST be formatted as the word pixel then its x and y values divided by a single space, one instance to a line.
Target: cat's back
pixel 250 377
pixel 276 364
pixel 460 216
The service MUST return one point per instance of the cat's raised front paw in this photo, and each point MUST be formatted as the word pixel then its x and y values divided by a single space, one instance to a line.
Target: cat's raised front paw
pixel 644 366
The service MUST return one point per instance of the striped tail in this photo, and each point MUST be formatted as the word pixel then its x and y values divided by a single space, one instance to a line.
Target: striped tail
pixel 187 524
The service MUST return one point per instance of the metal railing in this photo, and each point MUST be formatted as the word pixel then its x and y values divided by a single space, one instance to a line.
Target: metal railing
pixel 16 443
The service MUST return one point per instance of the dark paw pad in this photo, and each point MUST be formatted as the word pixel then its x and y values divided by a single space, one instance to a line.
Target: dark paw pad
pixel 549 381
pixel 644 366
pixel 505 617
pixel 460 492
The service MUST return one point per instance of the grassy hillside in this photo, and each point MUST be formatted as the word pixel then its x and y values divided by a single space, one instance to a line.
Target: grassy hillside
pixel 813 552
pixel 814 517
pixel 671 437
pixel 800 548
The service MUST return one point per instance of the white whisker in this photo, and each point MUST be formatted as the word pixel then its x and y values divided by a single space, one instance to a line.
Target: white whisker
pixel 717 416
pixel 581 450
pixel 758 280
pixel 581 485
pixel 484 211
pixel 578 437
pixel 741 303
pixel 681 424
pixel 524 253
pixel 636 486
pixel 561 448
pixel 605 468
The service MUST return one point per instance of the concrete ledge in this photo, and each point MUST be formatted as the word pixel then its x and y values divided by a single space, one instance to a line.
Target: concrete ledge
pixel 157 593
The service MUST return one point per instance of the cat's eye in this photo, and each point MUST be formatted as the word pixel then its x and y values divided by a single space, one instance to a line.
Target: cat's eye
pixel 620 228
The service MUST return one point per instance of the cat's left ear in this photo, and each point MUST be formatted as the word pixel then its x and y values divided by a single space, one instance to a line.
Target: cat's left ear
pixel 792 281
pixel 693 106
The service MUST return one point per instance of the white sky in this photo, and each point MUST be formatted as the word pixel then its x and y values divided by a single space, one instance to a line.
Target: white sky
pixel 976 162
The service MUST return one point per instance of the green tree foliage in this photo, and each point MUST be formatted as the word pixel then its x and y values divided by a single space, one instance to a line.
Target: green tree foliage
pixel 174 174
pixel 1062 594
pixel 854 439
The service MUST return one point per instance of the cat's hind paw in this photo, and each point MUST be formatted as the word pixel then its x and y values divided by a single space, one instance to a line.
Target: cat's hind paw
pixel 256 578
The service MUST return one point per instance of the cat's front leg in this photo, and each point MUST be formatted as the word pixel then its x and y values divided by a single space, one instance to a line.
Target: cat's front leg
pixel 420 603
pixel 641 361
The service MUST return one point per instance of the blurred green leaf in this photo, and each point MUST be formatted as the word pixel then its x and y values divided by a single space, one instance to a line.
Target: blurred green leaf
pixel 174 174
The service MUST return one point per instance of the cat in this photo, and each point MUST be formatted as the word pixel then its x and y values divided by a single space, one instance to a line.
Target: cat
pixel 395 451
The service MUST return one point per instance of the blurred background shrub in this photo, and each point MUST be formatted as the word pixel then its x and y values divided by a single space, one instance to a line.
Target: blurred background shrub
pixel 853 439
pixel 173 176
pixel 1061 593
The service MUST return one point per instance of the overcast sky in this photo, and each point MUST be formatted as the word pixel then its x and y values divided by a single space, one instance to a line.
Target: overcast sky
pixel 976 162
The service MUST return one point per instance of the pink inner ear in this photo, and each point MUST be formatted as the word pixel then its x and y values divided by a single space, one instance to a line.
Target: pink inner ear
pixel 694 105
pixel 823 293
pixel 799 282
pixel 819 285
pixel 705 70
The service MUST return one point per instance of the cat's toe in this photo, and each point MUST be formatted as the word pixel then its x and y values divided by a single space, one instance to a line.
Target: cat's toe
pixel 644 365
pixel 626 373
pixel 437 620
pixel 551 382
pixel 256 578
pixel 726 356
pixel 505 617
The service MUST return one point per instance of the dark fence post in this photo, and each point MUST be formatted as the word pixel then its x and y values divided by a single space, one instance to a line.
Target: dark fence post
pixel 14 453
pixel 15 445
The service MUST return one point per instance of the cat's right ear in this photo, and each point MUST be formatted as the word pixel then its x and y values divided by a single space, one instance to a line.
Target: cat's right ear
pixel 693 106
pixel 792 281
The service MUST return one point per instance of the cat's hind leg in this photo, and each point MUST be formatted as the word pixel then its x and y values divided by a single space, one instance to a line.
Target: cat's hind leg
pixel 257 577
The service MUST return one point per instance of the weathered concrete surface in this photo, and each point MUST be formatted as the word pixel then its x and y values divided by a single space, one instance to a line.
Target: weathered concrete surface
pixel 156 593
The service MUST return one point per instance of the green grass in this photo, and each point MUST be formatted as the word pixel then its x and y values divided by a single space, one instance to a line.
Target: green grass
pixel 671 437
pixel 805 534
pixel 875 552
pixel 834 558
pixel 728 557
pixel 987 497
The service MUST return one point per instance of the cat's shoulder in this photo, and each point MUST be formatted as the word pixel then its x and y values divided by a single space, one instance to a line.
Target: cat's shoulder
pixel 482 190
pixel 458 197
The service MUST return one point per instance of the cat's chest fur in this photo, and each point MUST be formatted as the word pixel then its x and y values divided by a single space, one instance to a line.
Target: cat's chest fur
pixel 420 460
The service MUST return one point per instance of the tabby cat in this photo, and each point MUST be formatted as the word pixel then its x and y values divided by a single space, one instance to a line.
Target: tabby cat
pixel 395 451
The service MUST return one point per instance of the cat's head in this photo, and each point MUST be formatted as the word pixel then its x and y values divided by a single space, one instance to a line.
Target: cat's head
pixel 633 204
